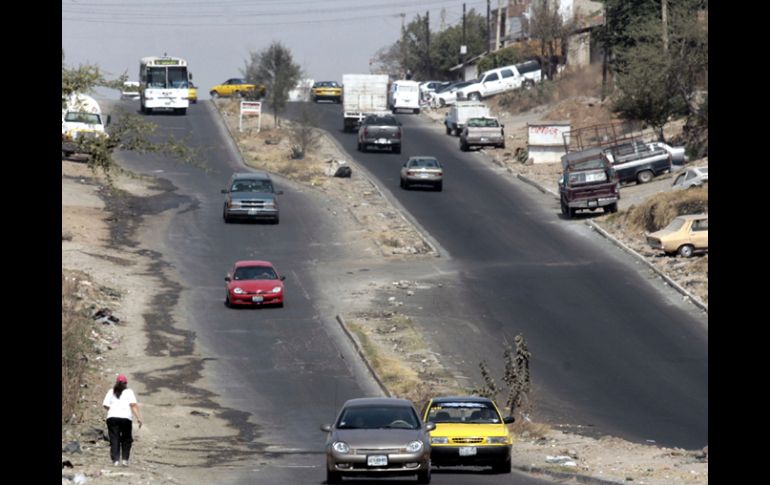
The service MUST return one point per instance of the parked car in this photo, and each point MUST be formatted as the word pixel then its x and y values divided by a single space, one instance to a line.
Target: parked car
pixel 684 235
pixel 422 171
pixel 192 95
pixel 251 195
pixel 495 81
pixel 470 431
pixel 254 283
pixel 428 87
pixel 380 131
pixel 692 177
pixel 378 437
pixel 237 87
pixel 326 91
pixel 448 95
pixel 588 181
pixel 482 131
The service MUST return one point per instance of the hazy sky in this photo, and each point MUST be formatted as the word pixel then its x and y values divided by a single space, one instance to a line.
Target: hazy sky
pixel 327 38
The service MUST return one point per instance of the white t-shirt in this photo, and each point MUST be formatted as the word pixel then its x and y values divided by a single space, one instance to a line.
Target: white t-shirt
pixel 120 407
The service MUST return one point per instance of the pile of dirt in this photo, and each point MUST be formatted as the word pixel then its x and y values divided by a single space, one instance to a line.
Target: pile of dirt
pixel 657 212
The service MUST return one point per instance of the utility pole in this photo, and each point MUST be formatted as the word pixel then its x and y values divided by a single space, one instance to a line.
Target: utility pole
pixel 403 42
pixel 427 41
pixel 489 27
pixel 463 46
pixel 499 16
pixel 664 14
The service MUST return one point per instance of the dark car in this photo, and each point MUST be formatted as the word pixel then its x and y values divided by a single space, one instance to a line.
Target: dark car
pixel 251 195
pixel 377 437
pixel 382 131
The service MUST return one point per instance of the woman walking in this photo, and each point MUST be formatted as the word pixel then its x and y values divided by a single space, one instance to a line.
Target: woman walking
pixel 120 403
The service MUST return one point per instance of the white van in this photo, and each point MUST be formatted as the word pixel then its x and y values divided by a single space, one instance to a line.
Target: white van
pixel 404 95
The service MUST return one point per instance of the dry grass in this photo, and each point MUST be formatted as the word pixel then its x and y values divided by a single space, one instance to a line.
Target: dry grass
pixel 657 212
pixel 75 327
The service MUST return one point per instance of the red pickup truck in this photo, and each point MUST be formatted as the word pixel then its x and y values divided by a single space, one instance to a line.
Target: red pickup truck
pixel 588 181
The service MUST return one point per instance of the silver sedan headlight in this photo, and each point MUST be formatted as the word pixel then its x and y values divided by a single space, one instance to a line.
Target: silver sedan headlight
pixel 341 447
pixel 414 446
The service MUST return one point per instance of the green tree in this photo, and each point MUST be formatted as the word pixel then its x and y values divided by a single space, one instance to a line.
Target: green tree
pixel 275 68
pixel 129 132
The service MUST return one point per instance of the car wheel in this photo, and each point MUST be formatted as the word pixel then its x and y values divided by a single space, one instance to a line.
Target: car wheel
pixel 276 220
pixel 424 477
pixel 359 147
pixel 440 186
pixel 333 477
pixel 644 176
pixel 441 102
pixel 463 146
pixel 227 301
pixel 686 251
pixel 611 209
pixel 417 111
pixel 448 131
pixel 502 145
pixel 528 83
pixel 564 208
pixel 214 94
pixel 224 215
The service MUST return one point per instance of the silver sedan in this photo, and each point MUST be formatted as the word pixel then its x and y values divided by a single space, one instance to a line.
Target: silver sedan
pixel 422 171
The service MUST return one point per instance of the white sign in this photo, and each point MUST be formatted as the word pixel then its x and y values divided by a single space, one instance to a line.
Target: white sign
pixel 547 134
pixel 251 108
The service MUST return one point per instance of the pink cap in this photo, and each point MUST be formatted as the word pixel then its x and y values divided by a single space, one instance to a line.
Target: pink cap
pixel 122 378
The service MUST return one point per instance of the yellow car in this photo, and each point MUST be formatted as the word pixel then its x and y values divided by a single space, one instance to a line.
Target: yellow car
pixel 684 235
pixel 237 87
pixel 326 90
pixel 470 431
pixel 192 95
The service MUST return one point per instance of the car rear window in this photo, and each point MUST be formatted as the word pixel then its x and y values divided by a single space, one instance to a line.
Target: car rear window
pixel 382 120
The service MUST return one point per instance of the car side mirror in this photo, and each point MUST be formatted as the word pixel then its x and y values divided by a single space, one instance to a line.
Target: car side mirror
pixel 326 427
pixel 227 278
pixel 509 419
pixel 224 191
pixel 282 278
pixel 430 426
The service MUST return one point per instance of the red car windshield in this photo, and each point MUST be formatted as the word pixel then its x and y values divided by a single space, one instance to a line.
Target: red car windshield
pixel 255 273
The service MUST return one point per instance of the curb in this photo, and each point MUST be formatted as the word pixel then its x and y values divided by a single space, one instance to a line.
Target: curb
pixel 231 137
pixel 695 300
pixel 362 355
pixel 567 476
pixel 536 185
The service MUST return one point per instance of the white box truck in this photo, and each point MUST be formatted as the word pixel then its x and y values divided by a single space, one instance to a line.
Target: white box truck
pixel 362 95
pixel 460 112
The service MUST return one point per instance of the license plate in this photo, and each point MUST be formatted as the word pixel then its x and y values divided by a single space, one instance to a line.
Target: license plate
pixel 468 451
pixel 592 203
pixel 377 460
pixel 483 138
pixel 257 299
pixel 424 175
pixel 252 212
pixel 382 141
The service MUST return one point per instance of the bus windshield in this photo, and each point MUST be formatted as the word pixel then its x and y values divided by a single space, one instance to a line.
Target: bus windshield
pixel 167 77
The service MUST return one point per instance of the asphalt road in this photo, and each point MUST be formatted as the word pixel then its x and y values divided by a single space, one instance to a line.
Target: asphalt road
pixel 610 350
pixel 288 369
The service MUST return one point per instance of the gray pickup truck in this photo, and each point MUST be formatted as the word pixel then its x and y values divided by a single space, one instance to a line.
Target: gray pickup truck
pixel 636 161
pixel 483 131
pixel 251 195
pixel 382 131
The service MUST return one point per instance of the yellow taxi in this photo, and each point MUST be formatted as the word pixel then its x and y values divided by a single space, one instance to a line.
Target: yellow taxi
pixel 470 431
pixel 237 87
pixel 326 90
pixel 192 95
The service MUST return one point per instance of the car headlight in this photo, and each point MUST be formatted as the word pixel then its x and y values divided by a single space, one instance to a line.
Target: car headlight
pixel 277 289
pixel 497 440
pixel 439 440
pixel 341 447
pixel 238 291
pixel 235 203
pixel 414 447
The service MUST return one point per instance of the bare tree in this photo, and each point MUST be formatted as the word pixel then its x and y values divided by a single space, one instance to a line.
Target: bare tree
pixel 547 25
pixel 274 67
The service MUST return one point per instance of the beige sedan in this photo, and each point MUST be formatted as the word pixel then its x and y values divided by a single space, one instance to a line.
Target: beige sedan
pixel 422 171
pixel 684 235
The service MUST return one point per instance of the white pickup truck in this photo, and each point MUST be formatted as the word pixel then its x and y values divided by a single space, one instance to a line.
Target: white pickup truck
pixel 460 112
pixel 482 131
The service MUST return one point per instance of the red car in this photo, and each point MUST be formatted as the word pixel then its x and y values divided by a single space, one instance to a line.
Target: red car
pixel 254 283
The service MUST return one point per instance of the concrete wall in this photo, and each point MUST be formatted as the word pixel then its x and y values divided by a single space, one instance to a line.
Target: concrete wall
pixel 545 141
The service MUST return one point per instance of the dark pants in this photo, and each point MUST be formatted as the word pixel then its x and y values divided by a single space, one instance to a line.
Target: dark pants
pixel 120 437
